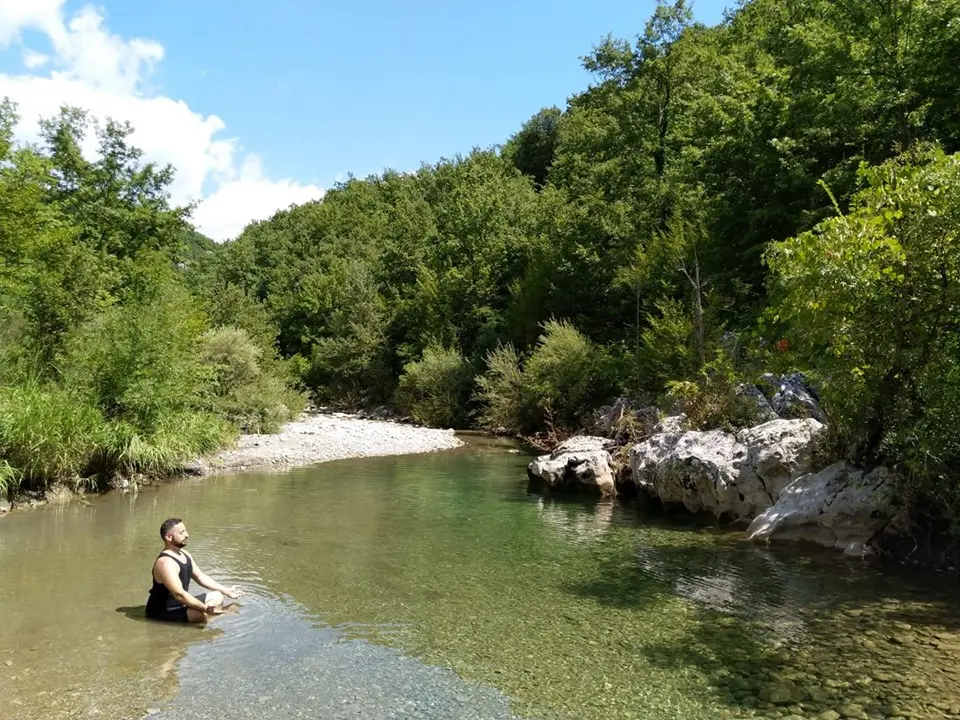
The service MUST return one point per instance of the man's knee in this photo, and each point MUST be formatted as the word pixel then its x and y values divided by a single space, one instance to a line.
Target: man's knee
pixel 214 597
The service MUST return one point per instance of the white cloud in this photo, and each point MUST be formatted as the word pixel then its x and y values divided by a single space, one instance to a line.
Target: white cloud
pixel 15 15
pixel 257 195
pixel 104 73
pixel 33 60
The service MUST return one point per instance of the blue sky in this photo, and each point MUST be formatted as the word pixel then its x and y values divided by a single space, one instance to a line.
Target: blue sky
pixel 318 89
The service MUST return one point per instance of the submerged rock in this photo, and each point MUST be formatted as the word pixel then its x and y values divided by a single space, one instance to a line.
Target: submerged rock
pixel 582 463
pixel 716 472
pixel 840 506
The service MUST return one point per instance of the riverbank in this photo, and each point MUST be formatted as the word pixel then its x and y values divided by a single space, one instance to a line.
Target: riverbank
pixel 321 437
pixel 314 437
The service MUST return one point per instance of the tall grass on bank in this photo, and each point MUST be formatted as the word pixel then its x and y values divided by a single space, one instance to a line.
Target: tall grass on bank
pixel 46 435
pixel 50 436
pixel 125 450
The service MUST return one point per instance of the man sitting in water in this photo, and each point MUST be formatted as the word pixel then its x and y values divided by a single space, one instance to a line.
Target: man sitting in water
pixel 172 570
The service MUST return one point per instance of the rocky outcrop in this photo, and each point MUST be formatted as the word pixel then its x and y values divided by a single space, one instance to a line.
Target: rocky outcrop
pixel 722 474
pixel 840 506
pixel 625 419
pixel 791 396
pixel 582 463
pixel 778 452
pixel 764 412
pixel 694 469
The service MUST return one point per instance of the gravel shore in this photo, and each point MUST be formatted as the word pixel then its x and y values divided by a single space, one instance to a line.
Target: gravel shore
pixel 321 437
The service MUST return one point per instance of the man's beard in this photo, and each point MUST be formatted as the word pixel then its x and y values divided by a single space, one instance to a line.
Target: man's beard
pixel 181 543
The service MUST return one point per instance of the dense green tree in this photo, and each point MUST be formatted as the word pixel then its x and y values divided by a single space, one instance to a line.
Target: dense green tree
pixel 533 148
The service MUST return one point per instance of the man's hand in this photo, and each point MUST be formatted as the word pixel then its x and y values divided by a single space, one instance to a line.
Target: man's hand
pixel 234 592
pixel 213 610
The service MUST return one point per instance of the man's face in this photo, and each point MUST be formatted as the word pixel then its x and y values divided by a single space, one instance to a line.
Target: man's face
pixel 178 535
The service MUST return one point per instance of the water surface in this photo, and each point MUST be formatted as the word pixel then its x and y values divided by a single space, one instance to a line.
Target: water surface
pixel 435 586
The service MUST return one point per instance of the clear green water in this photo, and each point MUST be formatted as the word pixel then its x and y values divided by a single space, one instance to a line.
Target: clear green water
pixel 571 609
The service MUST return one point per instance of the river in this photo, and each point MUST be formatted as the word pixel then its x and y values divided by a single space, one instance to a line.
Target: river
pixel 435 586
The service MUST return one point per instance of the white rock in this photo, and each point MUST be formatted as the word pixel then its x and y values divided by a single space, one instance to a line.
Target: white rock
pixel 714 471
pixel 671 424
pixel 792 397
pixel 778 452
pixel 837 507
pixel 764 412
pixel 580 463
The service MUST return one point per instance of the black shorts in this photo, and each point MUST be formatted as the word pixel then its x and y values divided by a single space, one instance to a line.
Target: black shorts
pixel 174 614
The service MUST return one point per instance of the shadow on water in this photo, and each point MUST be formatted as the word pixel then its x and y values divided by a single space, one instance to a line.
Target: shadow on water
pixel 780 633
pixel 134 612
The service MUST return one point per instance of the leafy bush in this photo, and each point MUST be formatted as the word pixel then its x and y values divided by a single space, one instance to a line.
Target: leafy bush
pixel 869 301
pixel 247 389
pixel 566 375
pixel 138 362
pixel 504 404
pixel 710 400
pixel 434 388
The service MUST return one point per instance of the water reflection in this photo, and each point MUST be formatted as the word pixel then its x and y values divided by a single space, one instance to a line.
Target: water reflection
pixel 576 522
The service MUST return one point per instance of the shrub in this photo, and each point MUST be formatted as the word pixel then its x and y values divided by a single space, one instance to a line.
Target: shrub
pixel 869 301
pixel 710 400
pixel 139 362
pixel 246 389
pixel 434 388
pixel 566 375
pixel 667 347
pixel 504 404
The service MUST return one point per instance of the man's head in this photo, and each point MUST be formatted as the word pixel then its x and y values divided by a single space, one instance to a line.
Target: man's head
pixel 173 531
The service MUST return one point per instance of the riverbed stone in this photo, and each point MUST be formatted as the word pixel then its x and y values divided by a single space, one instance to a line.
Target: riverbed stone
pixel 4 507
pixel 582 463
pixel 853 710
pixel 835 507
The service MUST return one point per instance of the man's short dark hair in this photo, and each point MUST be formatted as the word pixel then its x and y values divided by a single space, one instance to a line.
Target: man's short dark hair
pixel 168 525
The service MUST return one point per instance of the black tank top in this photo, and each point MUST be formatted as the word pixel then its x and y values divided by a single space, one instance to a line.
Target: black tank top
pixel 160 599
